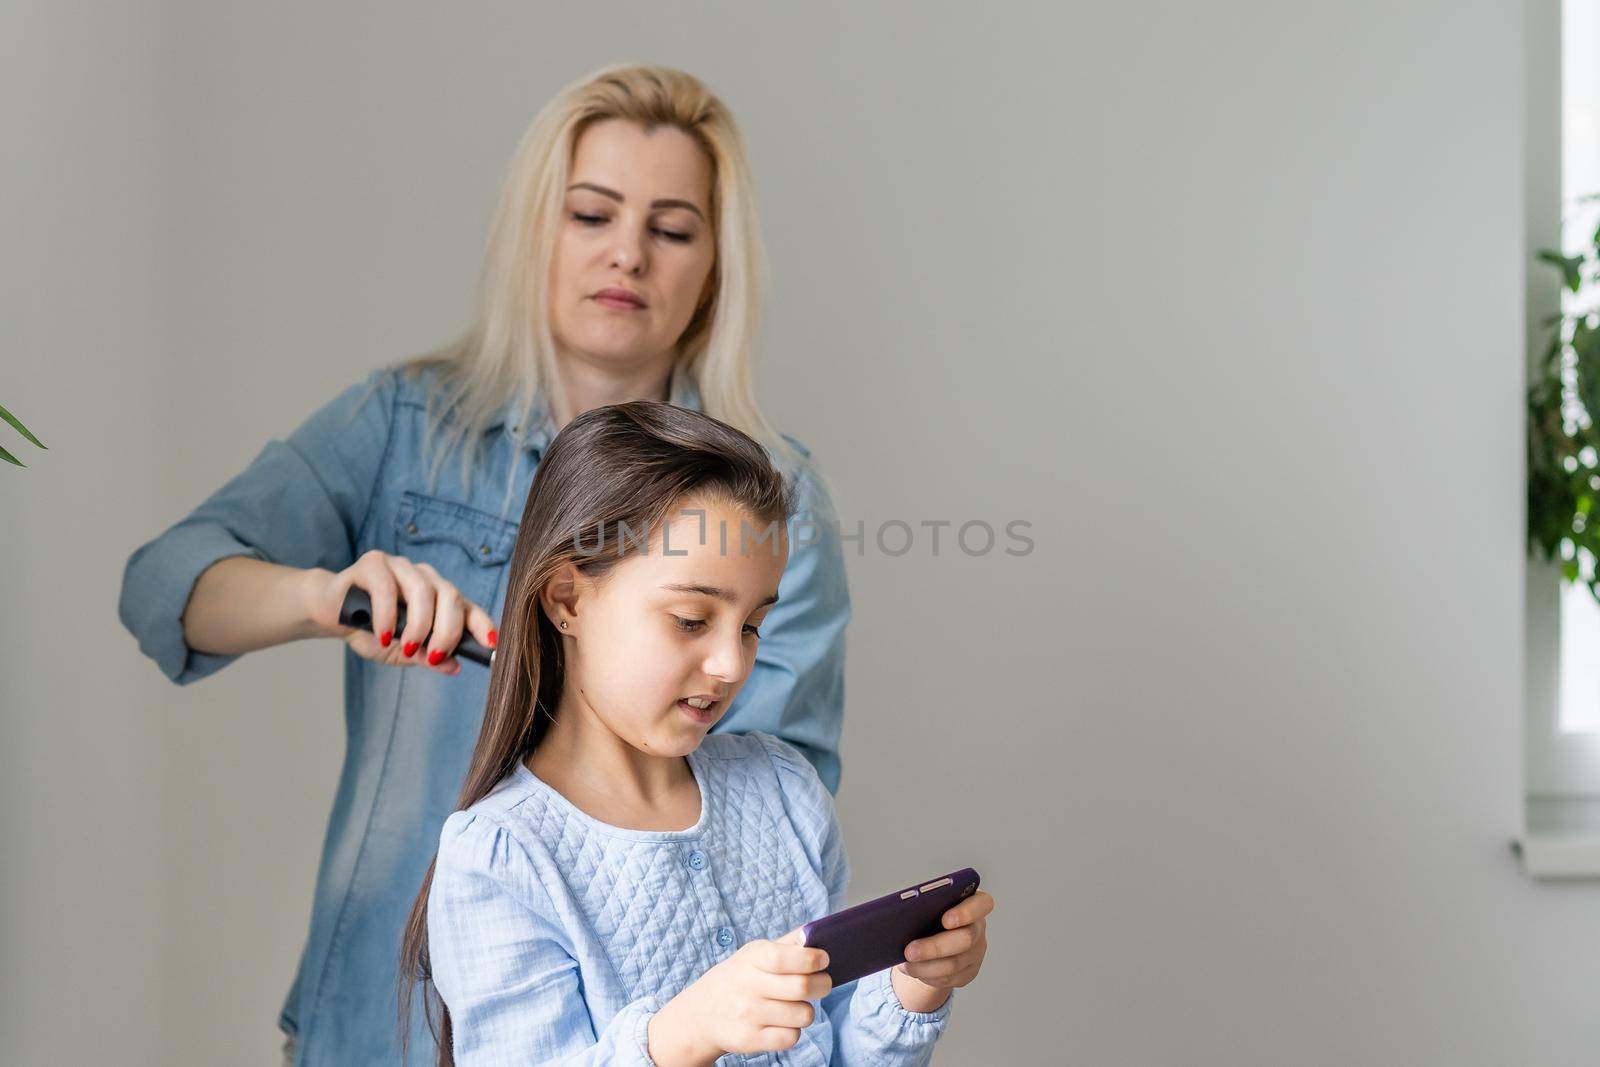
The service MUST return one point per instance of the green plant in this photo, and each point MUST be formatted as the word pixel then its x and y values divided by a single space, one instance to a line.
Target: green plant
pixel 1563 443
pixel 23 430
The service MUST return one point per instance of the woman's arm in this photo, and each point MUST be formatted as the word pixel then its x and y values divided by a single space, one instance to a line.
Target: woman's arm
pixel 281 606
pixel 299 505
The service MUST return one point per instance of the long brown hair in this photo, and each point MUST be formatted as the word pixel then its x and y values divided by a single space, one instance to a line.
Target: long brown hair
pixel 626 464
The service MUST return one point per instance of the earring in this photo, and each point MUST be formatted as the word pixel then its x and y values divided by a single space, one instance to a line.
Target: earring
pixel 563 626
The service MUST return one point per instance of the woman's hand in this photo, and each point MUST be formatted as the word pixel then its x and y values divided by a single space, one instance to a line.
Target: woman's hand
pixel 935 965
pixel 436 612
pixel 754 1001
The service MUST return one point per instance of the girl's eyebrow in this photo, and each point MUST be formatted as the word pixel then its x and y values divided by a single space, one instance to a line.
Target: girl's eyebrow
pixel 714 591
pixel 618 197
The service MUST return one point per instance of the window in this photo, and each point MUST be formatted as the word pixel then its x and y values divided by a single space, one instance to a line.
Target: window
pixel 1563 621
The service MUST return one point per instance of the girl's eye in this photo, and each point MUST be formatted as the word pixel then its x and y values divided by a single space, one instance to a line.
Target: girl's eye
pixel 673 235
pixel 588 220
pixel 691 625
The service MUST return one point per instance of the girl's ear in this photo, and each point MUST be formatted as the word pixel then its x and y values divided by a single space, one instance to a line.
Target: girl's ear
pixel 559 599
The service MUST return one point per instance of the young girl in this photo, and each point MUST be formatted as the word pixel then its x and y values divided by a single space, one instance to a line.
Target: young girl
pixel 621 888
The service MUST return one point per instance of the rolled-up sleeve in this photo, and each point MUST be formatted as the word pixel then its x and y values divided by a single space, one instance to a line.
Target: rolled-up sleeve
pixel 301 502
pixel 796 688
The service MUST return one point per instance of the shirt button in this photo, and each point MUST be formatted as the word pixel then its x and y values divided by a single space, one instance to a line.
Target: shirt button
pixel 724 937
pixel 411 527
pixel 483 549
pixel 697 860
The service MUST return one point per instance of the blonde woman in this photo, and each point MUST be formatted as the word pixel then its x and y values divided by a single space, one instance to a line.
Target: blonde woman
pixel 623 263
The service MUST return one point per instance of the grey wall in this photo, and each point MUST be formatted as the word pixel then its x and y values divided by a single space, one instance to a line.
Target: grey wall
pixel 1226 300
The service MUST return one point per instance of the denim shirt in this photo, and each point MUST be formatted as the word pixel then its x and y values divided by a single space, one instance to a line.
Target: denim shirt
pixel 352 478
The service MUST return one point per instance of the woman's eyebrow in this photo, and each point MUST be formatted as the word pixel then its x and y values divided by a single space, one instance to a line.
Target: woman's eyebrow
pixel 619 198
pixel 714 591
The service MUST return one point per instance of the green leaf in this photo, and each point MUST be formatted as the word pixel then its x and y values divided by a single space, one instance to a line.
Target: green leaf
pixel 1568 265
pixel 1569 570
pixel 23 430
pixel 9 458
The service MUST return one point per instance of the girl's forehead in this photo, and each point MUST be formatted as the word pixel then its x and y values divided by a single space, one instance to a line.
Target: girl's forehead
pixel 715 550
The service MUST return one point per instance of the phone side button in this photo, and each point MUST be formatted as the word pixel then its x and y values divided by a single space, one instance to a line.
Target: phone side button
pixel 908 894
pixel 936 885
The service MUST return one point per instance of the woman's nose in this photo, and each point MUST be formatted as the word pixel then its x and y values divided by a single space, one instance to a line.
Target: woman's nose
pixel 628 253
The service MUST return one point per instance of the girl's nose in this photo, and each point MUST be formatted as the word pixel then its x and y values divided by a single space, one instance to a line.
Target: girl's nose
pixel 725 660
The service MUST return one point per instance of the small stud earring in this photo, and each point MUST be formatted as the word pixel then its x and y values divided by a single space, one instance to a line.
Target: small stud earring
pixel 563 626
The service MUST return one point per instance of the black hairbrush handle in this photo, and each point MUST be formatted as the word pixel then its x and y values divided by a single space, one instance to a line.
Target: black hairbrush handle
pixel 357 611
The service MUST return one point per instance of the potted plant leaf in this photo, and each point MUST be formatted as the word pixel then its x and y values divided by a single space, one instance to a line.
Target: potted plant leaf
pixel 23 430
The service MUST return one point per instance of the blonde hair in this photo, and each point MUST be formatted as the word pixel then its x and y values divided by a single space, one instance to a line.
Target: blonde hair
pixel 509 351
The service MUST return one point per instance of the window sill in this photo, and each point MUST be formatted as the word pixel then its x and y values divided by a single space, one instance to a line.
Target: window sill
pixel 1562 841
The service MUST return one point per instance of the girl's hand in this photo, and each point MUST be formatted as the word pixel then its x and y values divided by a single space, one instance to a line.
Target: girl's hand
pixel 754 1001
pixel 935 965
pixel 436 612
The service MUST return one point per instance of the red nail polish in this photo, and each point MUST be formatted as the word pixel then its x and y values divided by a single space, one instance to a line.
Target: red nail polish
pixel 494 638
pixel 411 647
pixel 435 657
pixel 385 637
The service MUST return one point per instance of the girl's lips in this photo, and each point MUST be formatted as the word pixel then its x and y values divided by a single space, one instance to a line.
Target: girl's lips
pixel 620 305
pixel 709 715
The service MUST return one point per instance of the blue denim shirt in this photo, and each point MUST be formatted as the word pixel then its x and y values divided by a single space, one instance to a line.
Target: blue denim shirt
pixel 352 478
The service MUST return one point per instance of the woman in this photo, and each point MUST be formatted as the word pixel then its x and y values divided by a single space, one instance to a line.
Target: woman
pixel 623 263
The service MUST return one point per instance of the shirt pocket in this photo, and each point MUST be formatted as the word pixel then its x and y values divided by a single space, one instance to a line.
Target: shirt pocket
pixel 468 547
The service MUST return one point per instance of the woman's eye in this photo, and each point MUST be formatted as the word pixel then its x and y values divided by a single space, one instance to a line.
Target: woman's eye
pixel 689 625
pixel 752 631
pixel 596 220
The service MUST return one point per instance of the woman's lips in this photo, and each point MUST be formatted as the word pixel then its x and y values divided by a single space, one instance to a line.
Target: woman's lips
pixel 618 303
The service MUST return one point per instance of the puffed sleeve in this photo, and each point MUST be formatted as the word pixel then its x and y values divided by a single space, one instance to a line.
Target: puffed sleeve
pixel 301 502
pixel 870 1027
pixel 504 966
pixel 796 688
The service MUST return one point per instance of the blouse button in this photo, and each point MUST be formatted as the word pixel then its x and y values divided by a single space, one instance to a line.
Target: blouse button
pixel 724 937
pixel 411 527
pixel 697 860
pixel 483 550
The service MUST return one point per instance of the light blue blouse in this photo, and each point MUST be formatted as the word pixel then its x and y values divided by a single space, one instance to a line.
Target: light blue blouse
pixel 352 477
pixel 554 937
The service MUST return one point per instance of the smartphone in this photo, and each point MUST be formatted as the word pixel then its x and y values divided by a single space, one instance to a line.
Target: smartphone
pixel 874 935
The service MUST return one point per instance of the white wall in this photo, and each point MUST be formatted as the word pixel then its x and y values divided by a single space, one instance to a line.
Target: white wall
pixel 83 750
pixel 1227 300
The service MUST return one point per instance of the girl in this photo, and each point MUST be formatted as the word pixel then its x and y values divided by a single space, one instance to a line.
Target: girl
pixel 619 887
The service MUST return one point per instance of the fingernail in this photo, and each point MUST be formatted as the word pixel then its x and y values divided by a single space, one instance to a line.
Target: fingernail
pixel 494 638
pixel 912 954
pixel 435 657
pixel 385 637
pixel 411 647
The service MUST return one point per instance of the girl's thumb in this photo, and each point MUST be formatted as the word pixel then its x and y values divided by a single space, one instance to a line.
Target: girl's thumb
pixel 791 938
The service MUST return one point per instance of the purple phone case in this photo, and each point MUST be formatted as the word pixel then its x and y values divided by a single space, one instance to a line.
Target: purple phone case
pixel 874 935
